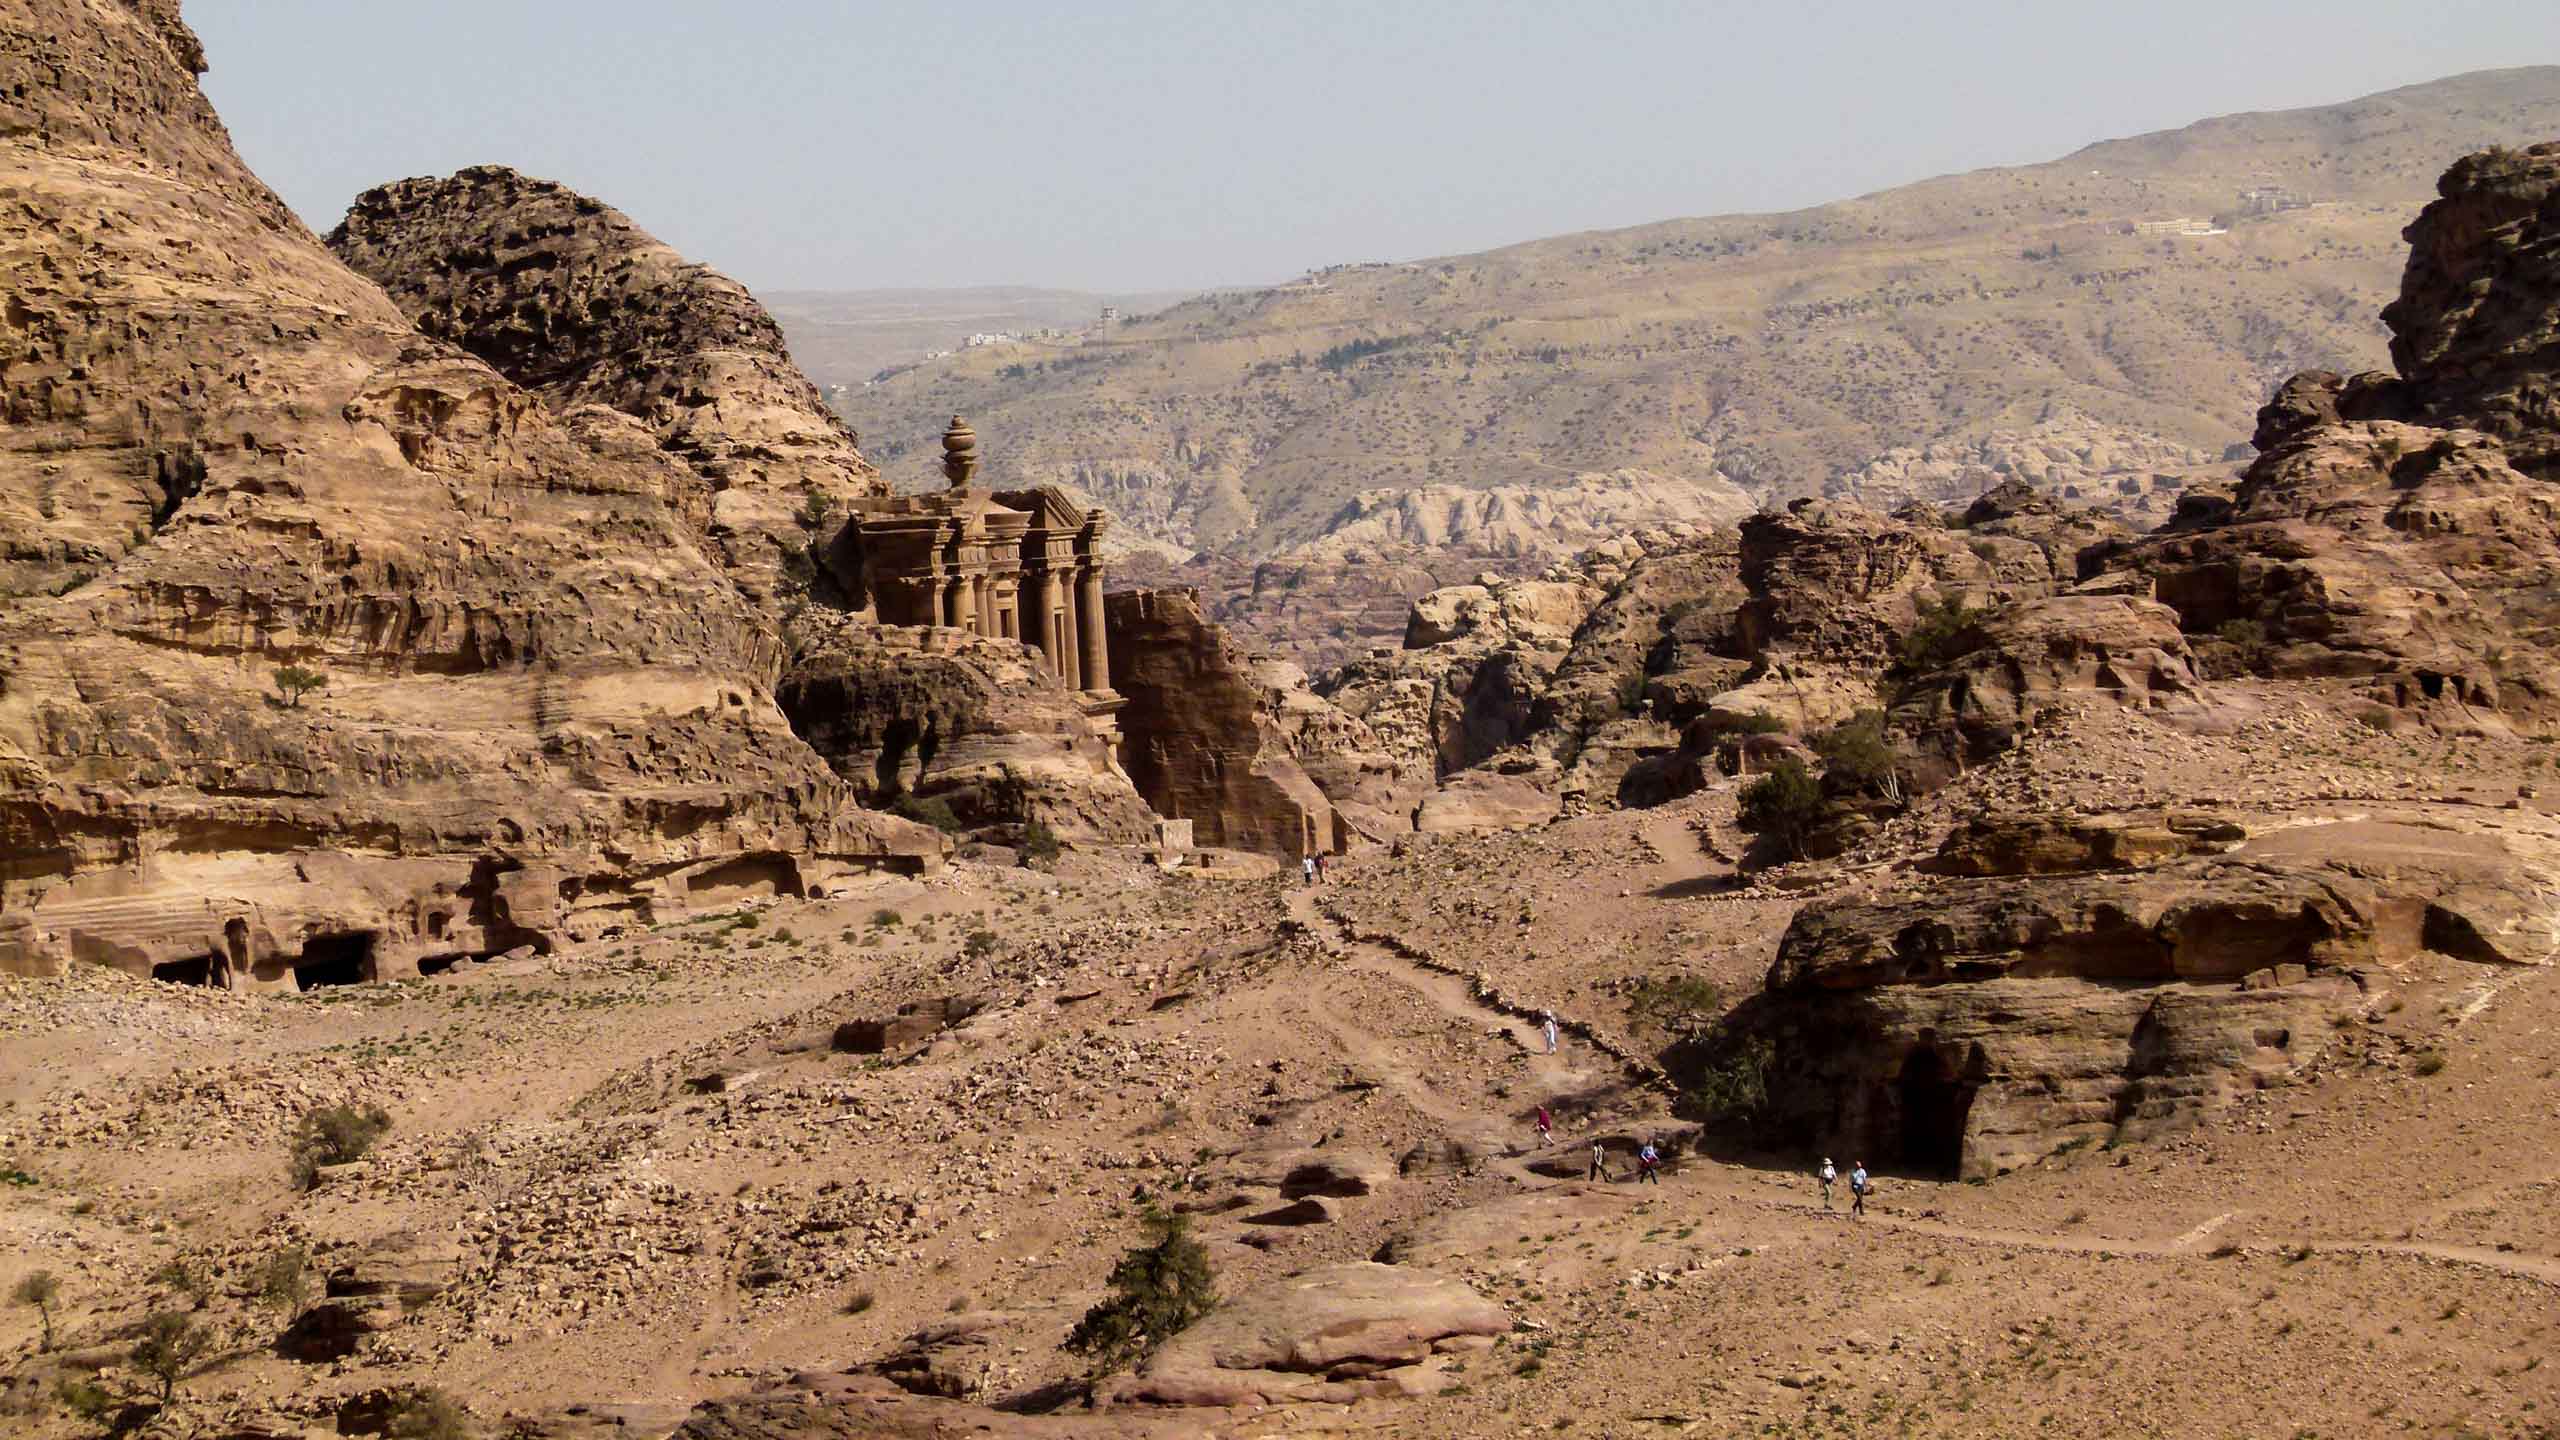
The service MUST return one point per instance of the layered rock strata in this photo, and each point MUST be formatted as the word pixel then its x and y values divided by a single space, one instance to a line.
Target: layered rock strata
pixel 545 708
pixel 2106 978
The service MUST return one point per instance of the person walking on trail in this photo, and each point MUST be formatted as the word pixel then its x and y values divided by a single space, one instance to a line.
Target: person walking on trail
pixel 1599 1162
pixel 1826 1175
pixel 1649 1164
pixel 1858 1188
pixel 1546 1125
pixel 1547 1028
pixel 1324 868
pixel 1308 864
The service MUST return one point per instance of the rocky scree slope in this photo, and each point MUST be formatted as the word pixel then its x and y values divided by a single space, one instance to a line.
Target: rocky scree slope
pixel 227 453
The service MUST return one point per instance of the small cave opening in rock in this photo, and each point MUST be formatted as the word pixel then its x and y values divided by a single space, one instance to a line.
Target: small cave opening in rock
pixel 438 964
pixel 193 970
pixel 345 959
pixel 1934 1105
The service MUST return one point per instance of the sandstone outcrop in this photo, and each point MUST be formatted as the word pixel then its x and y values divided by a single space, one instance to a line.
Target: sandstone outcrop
pixel 227 454
pixel 570 299
pixel 2397 531
pixel 2018 661
pixel 869 1407
pixel 2109 977
pixel 979 724
pixel 1335 1334
pixel 1204 736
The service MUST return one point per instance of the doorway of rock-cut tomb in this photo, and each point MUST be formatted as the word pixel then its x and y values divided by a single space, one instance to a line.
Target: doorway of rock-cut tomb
pixel 1933 1104
pixel 191 970
pixel 345 959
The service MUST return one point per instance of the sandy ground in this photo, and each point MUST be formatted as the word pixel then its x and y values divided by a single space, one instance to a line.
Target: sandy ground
pixel 2365 1251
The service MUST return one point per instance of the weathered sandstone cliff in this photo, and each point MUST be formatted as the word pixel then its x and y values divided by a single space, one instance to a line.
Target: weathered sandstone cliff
pixel 547 709
pixel 567 297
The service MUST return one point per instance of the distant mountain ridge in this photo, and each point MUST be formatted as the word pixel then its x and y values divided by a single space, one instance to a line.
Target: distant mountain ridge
pixel 844 337
pixel 2092 324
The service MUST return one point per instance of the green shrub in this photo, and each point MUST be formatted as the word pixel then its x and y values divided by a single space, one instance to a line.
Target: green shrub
pixel 333 1135
pixel 1158 1289
pixel 1936 639
pixel 293 682
pixel 981 944
pixel 2428 1062
pixel 886 919
pixel 186 1279
pixel 1857 757
pixel 1731 1086
pixel 86 1399
pixel 1040 844
pixel 1676 1002
pixel 930 810
pixel 1783 807
pixel 170 1346
pixel 1726 722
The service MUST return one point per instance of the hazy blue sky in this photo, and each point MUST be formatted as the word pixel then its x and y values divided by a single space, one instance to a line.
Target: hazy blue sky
pixel 1146 144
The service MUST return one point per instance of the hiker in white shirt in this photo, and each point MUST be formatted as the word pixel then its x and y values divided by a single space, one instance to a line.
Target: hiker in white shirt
pixel 1826 1175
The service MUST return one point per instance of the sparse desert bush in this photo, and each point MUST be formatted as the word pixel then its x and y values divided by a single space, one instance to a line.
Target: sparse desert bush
pixel 2427 1062
pixel 42 1291
pixel 428 1414
pixel 859 1302
pixel 183 1277
pixel 886 919
pixel 981 944
pixel 1040 844
pixel 1157 1290
pixel 1858 757
pixel 1750 722
pixel 1676 1002
pixel 1730 1084
pixel 1783 807
pixel 170 1346
pixel 85 1399
pixel 1937 637
pixel 930 810
pixel 333 1135
pixel 293 682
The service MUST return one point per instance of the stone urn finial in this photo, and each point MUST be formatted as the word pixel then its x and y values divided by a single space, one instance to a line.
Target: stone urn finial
pixel 959 452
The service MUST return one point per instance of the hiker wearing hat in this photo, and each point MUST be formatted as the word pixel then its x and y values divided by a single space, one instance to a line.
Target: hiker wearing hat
pixel 1826 1175
pixel 1547 1027
pixel 1599 1162
pixel 1858 1188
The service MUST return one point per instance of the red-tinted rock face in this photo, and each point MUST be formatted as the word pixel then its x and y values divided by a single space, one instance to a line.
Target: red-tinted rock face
pixel 1201 737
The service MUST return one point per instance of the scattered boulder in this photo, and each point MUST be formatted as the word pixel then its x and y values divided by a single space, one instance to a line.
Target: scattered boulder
pixel 1335 1334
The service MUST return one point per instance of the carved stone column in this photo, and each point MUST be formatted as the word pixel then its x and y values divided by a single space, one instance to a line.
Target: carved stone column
pixel 1097 653
pixel 964 601
pixel 1051 602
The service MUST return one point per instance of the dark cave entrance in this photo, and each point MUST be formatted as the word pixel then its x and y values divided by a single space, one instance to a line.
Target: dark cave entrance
pixel 335 960
pixel 1934 1105
pixel 193 970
